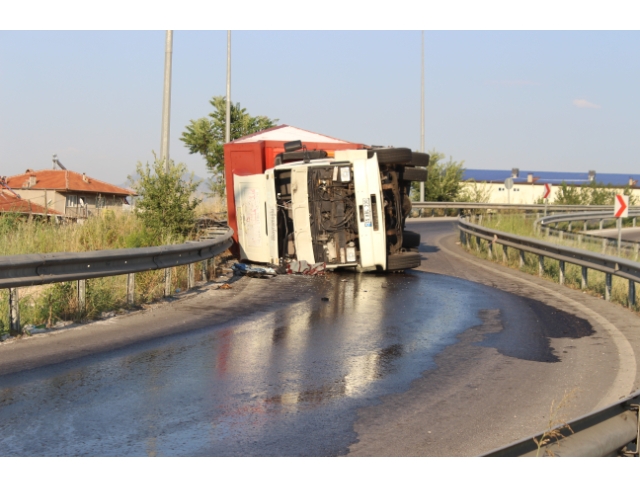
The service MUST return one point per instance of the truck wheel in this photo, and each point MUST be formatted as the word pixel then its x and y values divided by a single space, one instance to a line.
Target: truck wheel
pixel 410 240
pixel 392 156
pixel 419 159
pixel 414 174
pixel 403 260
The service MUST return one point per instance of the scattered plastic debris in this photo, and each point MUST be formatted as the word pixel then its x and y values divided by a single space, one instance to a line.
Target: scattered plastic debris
pixel 302 267
pixel 253 271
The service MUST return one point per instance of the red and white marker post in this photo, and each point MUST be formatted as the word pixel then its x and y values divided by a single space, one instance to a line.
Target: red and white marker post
pixel 620 211
pixel 545 195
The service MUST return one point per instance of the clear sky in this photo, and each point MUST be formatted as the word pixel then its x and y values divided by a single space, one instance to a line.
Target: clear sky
pixel 497 99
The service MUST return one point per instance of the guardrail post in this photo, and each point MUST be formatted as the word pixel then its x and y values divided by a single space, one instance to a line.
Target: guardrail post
pixel 607 287
pixel 569 227
pixel 561 275
pixel 579 239
pixel 540 265
pixel 14 312
pixel 191 276
pixel 131 284
pixel 204 265
pixel 477 243
pixel 584 282
pixel 632 294
pixel 601 222
pixel 634 221
pixel 490 249
pixel 546 233
pixel 561 235
pixel 215 268
pixel 584 226
pixel 604 245
pixel 167 281
pixel 82 296
pixel 505 254
pixel 636 249
pixel 522 258
pixel 480 219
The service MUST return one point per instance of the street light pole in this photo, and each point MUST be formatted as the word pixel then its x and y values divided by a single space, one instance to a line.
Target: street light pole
pixel 227 123
pixel 422 115
pixel 166 101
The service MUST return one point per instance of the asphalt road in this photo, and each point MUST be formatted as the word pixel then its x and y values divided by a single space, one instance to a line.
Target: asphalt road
pixel 456 358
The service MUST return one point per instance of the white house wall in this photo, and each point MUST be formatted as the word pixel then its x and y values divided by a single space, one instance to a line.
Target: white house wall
pixel 523 193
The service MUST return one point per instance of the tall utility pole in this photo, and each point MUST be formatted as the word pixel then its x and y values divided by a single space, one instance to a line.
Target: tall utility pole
pixel 166 101
pixel 422 116
pixel 227 123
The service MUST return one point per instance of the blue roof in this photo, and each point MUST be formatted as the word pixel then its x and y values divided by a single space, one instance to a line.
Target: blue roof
pixel 542 177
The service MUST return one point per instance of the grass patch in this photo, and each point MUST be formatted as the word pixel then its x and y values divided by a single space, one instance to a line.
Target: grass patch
pixel 48 304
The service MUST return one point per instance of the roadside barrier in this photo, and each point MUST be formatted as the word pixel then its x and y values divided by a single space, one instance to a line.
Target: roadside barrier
pixel 456 205
pixel 611 431
pixel 608 264
pixel 18 271
pixel 605 432
pixel 545 225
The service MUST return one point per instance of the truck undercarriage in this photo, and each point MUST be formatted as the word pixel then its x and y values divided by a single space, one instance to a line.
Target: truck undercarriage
pixel 345 213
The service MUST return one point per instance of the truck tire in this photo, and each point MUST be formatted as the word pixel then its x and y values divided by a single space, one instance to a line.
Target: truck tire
pixel 392 156
pixel 403 260
pixel 414 174
pixel 410 240
pixel 419 159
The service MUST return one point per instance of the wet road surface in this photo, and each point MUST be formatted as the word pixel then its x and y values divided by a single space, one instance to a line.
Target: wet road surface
pixel 309 377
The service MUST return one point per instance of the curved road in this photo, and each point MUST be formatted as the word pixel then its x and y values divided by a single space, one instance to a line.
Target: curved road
pixel 456 358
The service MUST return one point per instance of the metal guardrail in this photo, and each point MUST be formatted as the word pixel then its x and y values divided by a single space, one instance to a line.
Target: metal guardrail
pixel 599 434
pixel 35 269
pixel 506 206
pixel 610 265
pixel 603 432
pixel 629 248
pixel 584 216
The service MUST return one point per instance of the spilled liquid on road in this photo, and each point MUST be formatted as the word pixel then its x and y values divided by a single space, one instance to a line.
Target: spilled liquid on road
pixel 284 382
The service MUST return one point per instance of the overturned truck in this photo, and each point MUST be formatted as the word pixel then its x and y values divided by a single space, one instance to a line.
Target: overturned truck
pixel 343 208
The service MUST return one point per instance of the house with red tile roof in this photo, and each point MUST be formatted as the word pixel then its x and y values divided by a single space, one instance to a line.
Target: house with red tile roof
pixel 69 193
pixel 12 203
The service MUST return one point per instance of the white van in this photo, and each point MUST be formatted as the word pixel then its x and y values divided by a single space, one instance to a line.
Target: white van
pixel 346 209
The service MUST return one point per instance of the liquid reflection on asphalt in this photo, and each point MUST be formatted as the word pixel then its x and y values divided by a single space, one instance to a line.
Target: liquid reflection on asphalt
pixel 287 382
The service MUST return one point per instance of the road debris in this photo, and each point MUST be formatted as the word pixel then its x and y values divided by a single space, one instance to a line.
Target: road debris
pixel 225 286
pixel 303 267
pixel 252 270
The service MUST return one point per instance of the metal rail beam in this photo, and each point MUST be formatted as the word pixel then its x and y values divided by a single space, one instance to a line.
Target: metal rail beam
pixel 593 260
pixel 506 206
pixel 601 433
pixel 34 269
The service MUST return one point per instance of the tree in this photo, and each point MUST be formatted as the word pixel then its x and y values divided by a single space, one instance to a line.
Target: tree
pixel 443 179
pixel 589 194
pixel 206 135
pixel 166 205
pixel 474 192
